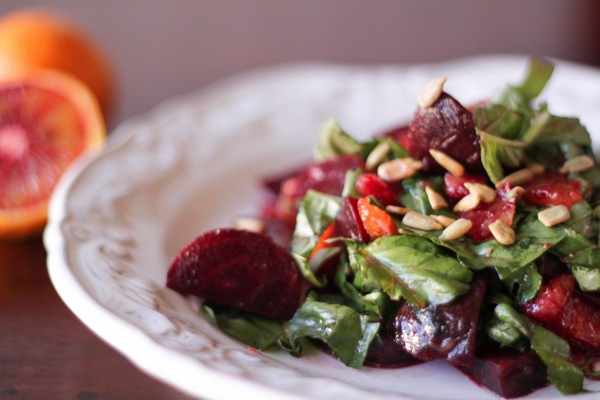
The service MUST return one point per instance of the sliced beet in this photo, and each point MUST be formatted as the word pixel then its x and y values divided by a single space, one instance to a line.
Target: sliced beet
pixel 446 126
pixel 508 373
pixel 239 269
pixel 446 331
pixel 348 222
pixel 384 352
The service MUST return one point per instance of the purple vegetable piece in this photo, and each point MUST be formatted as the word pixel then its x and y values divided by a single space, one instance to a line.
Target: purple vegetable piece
pixel 446 126
pixel 446 331
pixel 239 269
pixel 508 373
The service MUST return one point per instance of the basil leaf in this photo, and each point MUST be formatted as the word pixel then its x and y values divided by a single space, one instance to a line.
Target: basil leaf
pixel 412 268
pixel 333 141
pixel 552 349
pixel 342 328
pixel 253 330
pixel 315 213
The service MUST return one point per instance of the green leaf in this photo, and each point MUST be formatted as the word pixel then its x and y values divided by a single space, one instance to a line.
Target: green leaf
pixel 253 330
pixel 519 97
pixel 414 196
pixel 498 153
pixel 412 268
pixel 499 121
pixel 375 304
pixel 334 141
pixel 343 329
pixel 315 214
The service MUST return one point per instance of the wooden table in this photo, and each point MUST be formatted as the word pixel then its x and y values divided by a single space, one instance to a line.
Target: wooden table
pixel 46 352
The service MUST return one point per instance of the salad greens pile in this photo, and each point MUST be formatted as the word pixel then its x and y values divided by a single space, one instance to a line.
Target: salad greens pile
pixel 347 308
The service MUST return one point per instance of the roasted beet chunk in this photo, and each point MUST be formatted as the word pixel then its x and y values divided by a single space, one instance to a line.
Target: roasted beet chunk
pixel 446 126
pixel 446 331
pixel 384 352
pixel 348 222
pixel 239 269
pixel 508 373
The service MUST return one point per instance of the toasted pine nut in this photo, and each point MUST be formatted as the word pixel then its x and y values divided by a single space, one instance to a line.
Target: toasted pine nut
pixel 444 220
pixel 377 155
pixel 459 228
pixel 397 210
pixel 536 168
pixel 516 191
pixel 420 221
pixel 249 224
pixel 577 164
pixel 516 178
pixel 398 169
pixel 436 200
pixel 449 163
pixel 431 92
pixel 468 202
pixel 503 233
pixel 554 215
pixel 486 193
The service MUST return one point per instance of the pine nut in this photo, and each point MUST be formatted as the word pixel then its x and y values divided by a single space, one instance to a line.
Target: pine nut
pixel 444 220
pixel 398 169
pixel 537 168
pixel 486 193
pixel 459 228
pixel 503 233
pixel 449 163
pixel 554 215
pixel 249 224
pixel 518 177
pixel 431 92
pixel 436 200
pixel 577 164
pixel 377 155
pixel 420 221
pixel 468 202
pixel 397 210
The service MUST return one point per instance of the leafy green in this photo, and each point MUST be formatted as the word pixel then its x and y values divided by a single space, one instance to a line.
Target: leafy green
pixel 343 329
pixel 519 97
pixel 334 141
pixel 315 213
pixel 253 330
pixel 498 153
pixel 411 268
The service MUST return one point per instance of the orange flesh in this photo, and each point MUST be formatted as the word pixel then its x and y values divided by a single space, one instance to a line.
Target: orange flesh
pixel 40 135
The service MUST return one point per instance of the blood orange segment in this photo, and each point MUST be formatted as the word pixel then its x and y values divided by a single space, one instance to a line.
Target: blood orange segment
pixel 47 120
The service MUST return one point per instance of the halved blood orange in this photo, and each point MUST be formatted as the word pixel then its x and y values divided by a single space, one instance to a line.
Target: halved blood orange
pixel 47 120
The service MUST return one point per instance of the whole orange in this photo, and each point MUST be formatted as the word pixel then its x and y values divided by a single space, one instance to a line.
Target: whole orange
pixel 37 38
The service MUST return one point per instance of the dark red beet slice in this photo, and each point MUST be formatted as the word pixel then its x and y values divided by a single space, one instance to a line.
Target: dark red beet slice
pixel 384 352
pixel 508 373
pixel 562 308
pixel 369 184
pixel 326 177
pixel 239 269
pixel 348 223
pixel 446 331
pixel 446 126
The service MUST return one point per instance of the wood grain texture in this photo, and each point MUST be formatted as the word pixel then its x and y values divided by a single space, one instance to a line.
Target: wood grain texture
pixel 46 352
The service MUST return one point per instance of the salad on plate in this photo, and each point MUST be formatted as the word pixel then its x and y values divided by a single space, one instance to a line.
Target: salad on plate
pixel 469 235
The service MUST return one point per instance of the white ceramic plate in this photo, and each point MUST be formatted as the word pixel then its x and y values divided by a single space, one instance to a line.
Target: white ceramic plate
pixel 193 164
